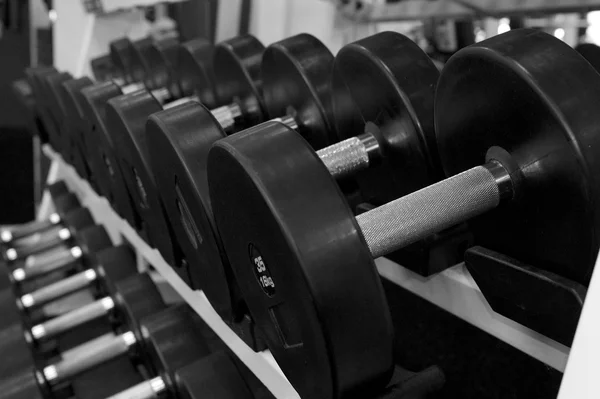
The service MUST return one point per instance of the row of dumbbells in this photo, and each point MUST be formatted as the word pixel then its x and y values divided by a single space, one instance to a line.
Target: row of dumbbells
pixel 368 153
pixel 79 321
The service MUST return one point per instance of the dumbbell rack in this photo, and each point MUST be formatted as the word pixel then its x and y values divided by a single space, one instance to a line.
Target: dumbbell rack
pixel 453 290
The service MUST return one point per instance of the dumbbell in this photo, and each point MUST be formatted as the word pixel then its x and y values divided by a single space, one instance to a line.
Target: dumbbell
pixel 61 233
pixel 533 199
pixel 61 205
pixel 46 82
pixel 112 264
pixel 135 298
pixel 170 340
pixel 73 252
pixel 591 53
pixel 218 376
pixel 126 122
pixel 295 72
pixel 91 100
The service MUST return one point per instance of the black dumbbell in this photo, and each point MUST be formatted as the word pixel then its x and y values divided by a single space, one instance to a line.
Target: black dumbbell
pixel 126 122
pixel 60 234
pixel 172 339
pixel 134 299
pixel 62 203
pixel 591 53
pixel 295 72
pixel 96 142
pixel 533 199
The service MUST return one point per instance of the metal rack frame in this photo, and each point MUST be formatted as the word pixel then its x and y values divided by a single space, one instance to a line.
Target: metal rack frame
pixel 453 290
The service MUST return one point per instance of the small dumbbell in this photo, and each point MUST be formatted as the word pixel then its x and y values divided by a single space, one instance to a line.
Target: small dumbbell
pixel 62 204
pixel 60 234
pixel 112 264
pixel 78 248
pixel 107 267
pixel 534 198
pixel 294 87
pixel 135 298
pixel 171 339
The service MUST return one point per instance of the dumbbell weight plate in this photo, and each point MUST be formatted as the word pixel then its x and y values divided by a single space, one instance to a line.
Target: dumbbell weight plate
pixel 126 123
pixel 550 136
pixel 214 377
pixel 298 84
pixel 99 148
pixel 591 53
pixel 172 339
pixel 57 108
pixel 306 288
pixel 397 110
pixel 180 170
pixel 197 78
pixel 75 135
pixel 41 97
pixel 122 57
pixel 179 152
pixel 238 77
pixel 162 58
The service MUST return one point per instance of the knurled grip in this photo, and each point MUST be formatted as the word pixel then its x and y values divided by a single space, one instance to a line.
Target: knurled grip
pixel 418 215
pixel 345 158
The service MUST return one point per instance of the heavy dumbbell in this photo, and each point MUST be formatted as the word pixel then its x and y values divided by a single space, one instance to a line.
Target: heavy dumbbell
pixel 295 72
pixel 61 233
pixel 126 121
pixel 56 191
pixel 97 142
pixel 136 298
pixel 299 260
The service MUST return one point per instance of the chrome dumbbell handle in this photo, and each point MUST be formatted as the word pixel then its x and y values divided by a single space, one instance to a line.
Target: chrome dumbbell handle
pixel 350 156
pixel 432 209
pixel 59 289
pixel 47 240
pixel 150 389
pixel 37 265
pixel 15 232
pixel 74 318
pixel 88 355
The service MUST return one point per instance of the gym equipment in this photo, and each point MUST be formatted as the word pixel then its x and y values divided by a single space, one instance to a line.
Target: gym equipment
pixel 126 120
pixel 61 233
pixel 305 264
pixel 295 76
pixel 591 53
pixel 128 301
pixel 98 143
pixel 112 264
pixel 135 298
pixel 63 202
pixel 215 376
pixel 81 244
pixel 172 339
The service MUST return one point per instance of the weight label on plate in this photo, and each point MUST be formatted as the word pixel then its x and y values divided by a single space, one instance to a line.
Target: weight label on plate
pixel 261 271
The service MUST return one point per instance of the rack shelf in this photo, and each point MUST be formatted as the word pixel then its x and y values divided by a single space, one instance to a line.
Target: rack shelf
pixel 452 290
